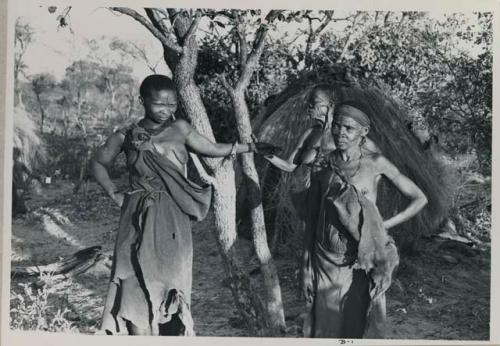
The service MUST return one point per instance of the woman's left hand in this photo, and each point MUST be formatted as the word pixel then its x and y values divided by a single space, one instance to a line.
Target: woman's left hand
pixel 266 149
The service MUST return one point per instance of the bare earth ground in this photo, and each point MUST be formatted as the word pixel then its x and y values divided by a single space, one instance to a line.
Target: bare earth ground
pixel 443 293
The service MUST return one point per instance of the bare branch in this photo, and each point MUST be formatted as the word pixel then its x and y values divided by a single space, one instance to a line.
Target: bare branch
pixel 242 36
pixel 311 19
pixel 326 20
pixel 193 27
pixel 311 31
pixel 225 83
pixel 162 11
pixel 313 34
pixel 253 57
pixel 404 18
pixel 343 19
pixel 349 37
pixel 154 16
pixel 158 17
pixel 166 41
pixel 260 38
pixel 386 18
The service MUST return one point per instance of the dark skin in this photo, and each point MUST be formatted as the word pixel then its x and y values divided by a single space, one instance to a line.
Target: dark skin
pixel 320 110
pixel 364 170
pixel 174 142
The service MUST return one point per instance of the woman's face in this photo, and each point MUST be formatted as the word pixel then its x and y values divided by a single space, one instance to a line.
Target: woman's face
pixel 347 132
pixel 160 105
pixel 319 105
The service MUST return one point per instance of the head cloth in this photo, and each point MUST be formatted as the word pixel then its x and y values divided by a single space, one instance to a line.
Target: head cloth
pixel 352 112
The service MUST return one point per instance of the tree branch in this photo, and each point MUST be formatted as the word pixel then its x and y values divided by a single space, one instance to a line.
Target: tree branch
pixel 349 38
pixel 253 58
pixel 225 83
pixel 260 39
pixel 192 28
pixel 170 55
pixel 326 20
pixel 386 18
pixel 166 41
pixel 242 39
pixel 155 19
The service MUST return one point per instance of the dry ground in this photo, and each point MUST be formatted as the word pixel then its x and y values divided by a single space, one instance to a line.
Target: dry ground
pixel 433 296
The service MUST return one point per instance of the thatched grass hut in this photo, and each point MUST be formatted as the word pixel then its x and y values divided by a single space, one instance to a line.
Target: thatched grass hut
pixel 27 139
pixel 286 119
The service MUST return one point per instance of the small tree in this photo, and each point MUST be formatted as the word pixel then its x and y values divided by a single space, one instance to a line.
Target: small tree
pixel 176 30
pixel 42 83
pixel 24 36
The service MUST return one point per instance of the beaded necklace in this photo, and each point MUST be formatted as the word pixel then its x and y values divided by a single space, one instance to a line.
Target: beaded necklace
pixel 158 130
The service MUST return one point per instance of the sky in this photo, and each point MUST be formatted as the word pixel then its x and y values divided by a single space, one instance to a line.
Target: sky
pixel 56 48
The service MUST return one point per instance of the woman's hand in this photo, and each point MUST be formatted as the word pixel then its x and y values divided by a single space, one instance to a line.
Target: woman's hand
pixel 266 149
pixel 280 163
pixel 307 285
pixel 118 198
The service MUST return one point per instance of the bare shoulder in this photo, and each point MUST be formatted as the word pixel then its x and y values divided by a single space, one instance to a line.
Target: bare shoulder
pixel 383 165
pixel 116 139
pixel 183 126
pixel 112 147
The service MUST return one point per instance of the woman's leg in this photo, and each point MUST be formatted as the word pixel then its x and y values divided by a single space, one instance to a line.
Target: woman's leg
pixel 134 330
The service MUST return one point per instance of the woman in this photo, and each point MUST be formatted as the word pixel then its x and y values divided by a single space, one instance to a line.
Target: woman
pixel 150 289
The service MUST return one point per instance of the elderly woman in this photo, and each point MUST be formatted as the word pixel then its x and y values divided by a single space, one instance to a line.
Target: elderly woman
pixel 348 255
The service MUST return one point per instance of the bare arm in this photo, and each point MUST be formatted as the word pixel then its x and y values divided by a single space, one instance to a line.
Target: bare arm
pixel 100 162
pixel 290 164
pixel 408 188
pixel 202 145
pixel 313 202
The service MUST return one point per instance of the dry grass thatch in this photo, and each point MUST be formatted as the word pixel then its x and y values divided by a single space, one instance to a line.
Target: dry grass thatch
pixel 287 120
pixel 27 138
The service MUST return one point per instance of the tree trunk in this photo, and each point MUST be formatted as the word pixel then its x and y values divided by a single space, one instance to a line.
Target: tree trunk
pixel 307 52
pixel 181 58
pixel 249 305
pixel 42 113
pixel 112 101
pixel 273 301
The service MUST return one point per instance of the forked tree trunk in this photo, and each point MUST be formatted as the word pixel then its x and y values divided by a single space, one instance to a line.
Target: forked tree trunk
pixel 224 200
pixel 181 58
pixel 273 301
pixel 249 61
pixel 183 67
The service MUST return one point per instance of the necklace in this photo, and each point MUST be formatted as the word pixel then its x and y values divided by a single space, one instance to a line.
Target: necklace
pixel 157 130
pixel 356 171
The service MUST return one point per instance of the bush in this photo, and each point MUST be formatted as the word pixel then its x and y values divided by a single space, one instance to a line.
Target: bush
pixel 30 310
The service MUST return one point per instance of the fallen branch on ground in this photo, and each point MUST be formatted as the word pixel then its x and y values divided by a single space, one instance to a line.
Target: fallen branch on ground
pixel 78 263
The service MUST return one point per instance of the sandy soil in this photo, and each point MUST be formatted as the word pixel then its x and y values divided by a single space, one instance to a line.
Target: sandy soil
pixel 443 293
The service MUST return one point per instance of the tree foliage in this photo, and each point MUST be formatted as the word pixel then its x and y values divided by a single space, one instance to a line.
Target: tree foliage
pixel 440 69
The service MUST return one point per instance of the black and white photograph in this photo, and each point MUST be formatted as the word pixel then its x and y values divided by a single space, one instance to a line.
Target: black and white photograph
pixel 263 172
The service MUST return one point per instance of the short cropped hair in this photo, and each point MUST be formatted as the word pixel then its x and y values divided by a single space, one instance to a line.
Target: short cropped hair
pixel 155 82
